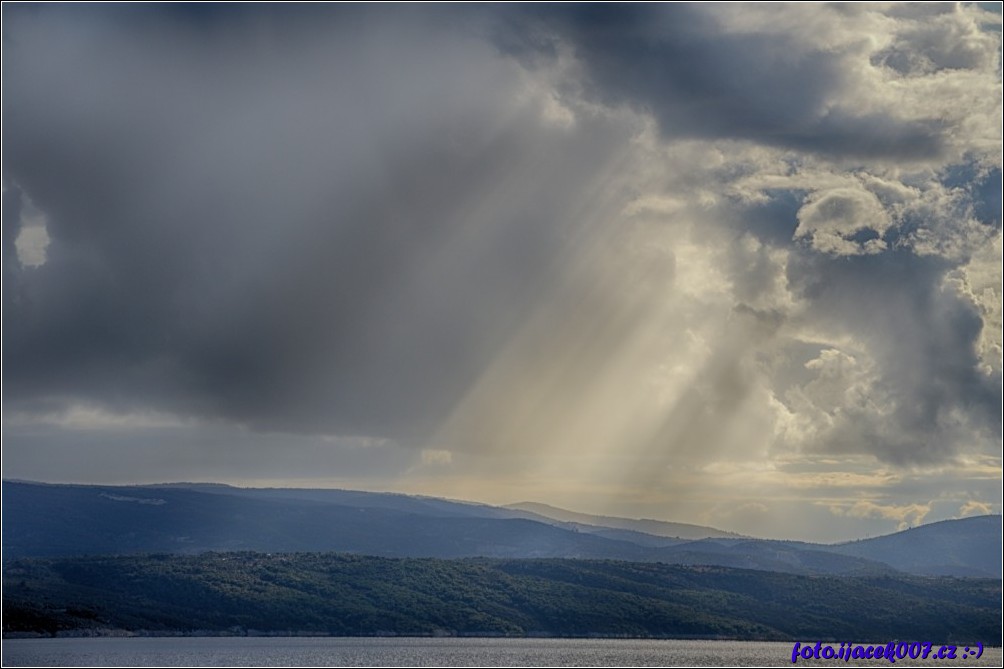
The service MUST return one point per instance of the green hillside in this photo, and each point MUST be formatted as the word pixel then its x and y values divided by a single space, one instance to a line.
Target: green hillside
pixel 326 593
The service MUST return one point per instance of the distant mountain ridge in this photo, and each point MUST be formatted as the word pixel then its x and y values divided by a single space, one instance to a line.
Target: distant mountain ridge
pixel 659 528
pixel 963 547
pixel 49 520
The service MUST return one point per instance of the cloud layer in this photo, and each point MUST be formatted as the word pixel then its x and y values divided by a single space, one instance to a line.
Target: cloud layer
pixel 564 248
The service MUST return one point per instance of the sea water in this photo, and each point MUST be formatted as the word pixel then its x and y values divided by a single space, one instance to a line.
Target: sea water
pixel 417 652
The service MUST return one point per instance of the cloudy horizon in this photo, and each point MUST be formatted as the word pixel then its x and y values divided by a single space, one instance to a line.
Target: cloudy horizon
pixel 734 266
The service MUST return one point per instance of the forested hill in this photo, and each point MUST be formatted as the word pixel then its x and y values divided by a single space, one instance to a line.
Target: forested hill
pixel 337 594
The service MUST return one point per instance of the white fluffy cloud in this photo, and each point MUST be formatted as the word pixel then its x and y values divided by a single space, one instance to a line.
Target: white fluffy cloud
pixel 844 221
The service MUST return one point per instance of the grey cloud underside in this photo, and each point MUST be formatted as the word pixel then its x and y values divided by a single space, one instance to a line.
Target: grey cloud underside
pixel 936 399
pixel 677 63
pixel 333 222
pixel 274 247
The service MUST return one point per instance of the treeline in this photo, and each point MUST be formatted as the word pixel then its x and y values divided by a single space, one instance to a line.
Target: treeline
pixel 349 595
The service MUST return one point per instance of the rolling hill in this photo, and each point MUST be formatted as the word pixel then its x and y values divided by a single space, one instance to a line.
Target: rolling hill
pixel 964 547
pixel 45 520
pixel 657 528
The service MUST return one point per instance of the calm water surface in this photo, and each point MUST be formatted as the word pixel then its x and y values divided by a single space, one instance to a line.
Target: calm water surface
pixel 285 651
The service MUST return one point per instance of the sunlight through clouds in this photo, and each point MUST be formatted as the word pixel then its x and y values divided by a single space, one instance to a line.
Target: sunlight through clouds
pixel 736 266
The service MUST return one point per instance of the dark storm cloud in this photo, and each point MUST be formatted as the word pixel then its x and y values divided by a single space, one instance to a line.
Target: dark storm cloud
pixel 11 230
pixel 348 220
pixel 700 80
pixel 304 225
pixel 930 400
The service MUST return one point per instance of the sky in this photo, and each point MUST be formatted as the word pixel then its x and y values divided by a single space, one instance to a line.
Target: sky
pixel 737 265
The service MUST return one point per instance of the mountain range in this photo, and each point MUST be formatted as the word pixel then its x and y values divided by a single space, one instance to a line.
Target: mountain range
pixel 49 520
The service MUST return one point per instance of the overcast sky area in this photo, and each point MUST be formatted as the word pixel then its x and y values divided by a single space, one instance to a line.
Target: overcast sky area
pixel 730 265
